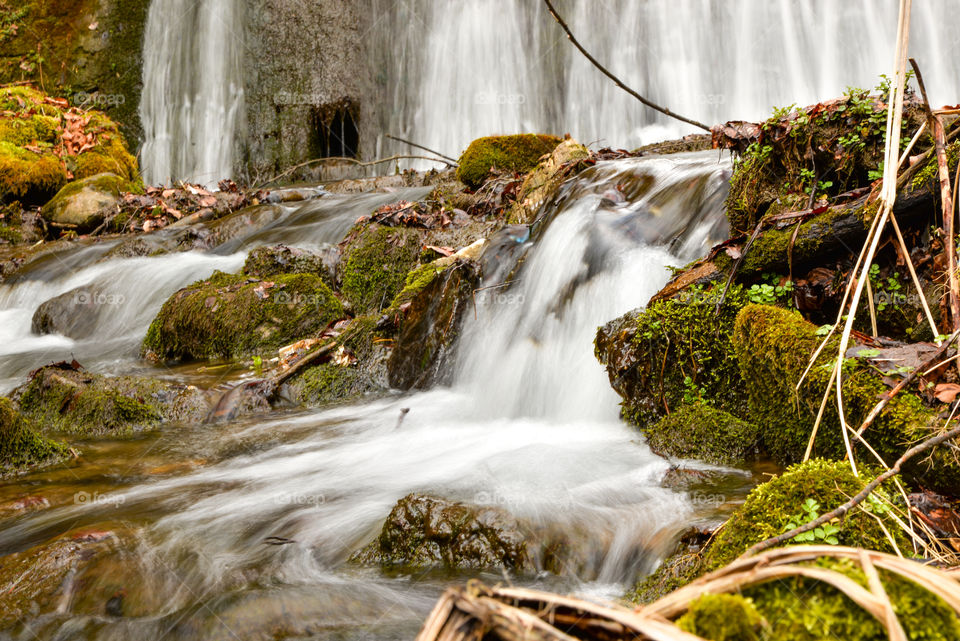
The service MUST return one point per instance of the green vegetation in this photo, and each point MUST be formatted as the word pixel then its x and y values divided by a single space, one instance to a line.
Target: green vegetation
pixel 518 153
pixel 375 263
pixel 20 445
pixel 697 430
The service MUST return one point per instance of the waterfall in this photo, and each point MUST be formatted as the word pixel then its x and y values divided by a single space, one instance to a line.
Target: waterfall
pixel 493 70
pixel 192 101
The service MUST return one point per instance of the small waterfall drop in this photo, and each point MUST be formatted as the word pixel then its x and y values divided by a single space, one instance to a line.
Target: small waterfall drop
pixel 192 101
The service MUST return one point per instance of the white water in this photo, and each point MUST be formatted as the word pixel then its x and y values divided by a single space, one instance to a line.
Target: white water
pixel 506 67
pixel 191 106
pixel 530 425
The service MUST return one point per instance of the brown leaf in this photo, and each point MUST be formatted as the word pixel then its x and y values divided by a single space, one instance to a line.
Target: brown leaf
pixel 733 252
pixel 946 392
pixel 443 251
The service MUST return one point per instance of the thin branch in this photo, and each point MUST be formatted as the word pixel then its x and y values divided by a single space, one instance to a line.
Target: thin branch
pixel 413 144
pixel 619 83
pixel 359 163
pixel 859 498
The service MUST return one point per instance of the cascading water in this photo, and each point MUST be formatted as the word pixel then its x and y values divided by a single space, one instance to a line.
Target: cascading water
pixel 191 106
pixel 529 424
pixel 508 68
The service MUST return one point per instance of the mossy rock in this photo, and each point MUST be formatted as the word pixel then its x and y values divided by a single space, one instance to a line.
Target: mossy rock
pixel 651 354
pixel 825 149
pixel 771 506
pixel 231 315
pixel 83 204
pixel 516 153
pixel 773 347
pixel 270 260
pixel 697 430
pixel 724 617
pixel 65 398
pixel 21 447
pixel 33 167
pixel 374 264
pixel 676 571
pixel 426 531
pixel 544 180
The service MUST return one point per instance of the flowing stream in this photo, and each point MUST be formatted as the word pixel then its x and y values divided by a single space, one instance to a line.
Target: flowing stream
pixel 529 424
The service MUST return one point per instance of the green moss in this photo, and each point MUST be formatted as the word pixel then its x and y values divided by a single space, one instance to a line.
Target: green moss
pixel 331 383
pixel 929 174
pixel 671 341
pixel 723 617
pixel 375 263
pixel 800 609
pixel 231 315
pixel 697 430
pixel 417 279
pixel 675 572
pixel 517 153
pixel 771 506
pixel 20 445
pixel 10 235
pixel 28 175
pixel 773 347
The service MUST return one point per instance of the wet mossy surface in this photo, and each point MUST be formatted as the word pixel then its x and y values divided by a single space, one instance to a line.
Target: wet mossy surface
pixel 21 446
pixel 517 153
pixel 770 507
pixel 675 349
pixel 230 315
pixel 698 430
pixel 723 617
pixel 374 265
pixel 61 398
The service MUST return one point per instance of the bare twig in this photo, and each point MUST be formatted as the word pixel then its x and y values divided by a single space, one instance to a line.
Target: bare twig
pixel 617 81
pixel 413 144
pixel 359 163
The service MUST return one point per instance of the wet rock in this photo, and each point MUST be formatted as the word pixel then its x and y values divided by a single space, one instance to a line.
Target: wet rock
pixel 674 350
pixel 163 241
pixel 697 430
pixel 73 313
pixel 65 398
pixel 425 531
pixel 517 153
pixel 231 315
pixel 84 204
pixel 21 447
pixel 680 567
pixel 542 182
pixel 432 304
pixel 264 262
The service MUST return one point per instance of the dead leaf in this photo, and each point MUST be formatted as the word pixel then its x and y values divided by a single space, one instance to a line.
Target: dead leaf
pixel 946 392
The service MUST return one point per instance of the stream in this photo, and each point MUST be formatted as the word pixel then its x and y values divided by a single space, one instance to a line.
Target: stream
pixel 529 424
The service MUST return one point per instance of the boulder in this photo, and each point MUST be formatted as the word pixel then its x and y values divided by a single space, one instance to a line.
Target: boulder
pixel 84 204
pixel 66 398
pixel 21 447
pixel 425 531
pixel 73 313
pixel 697 430
pixel 232 315
pixel 517 153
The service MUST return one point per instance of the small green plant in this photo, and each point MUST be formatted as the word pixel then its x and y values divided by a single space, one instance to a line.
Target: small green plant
pixel 691 391
pixel 771 292
pixel 823 330
pixel 876 174
pixel 852 142
pixel 826 533
pixel 258 365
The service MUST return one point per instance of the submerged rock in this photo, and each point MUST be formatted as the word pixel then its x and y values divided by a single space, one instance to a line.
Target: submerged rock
pixel 65 398
pixel 517 153
pixel 425 531
pixel 230 315
pixel 21 447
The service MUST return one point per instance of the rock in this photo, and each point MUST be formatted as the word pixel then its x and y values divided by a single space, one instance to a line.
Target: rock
pixel 697 430
pixel 517 153
pixel 374 263
pixel 773 347
pixel 73 313
pixel 31 131
pixel 264 262
pixel 65 398
pixel 433 303
pixel 681 567
pixel 725 617
pixel 675 349
pixel 542 182
pixel 84 204
pixel 232 315
pixel 21 447
pixel 425 531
